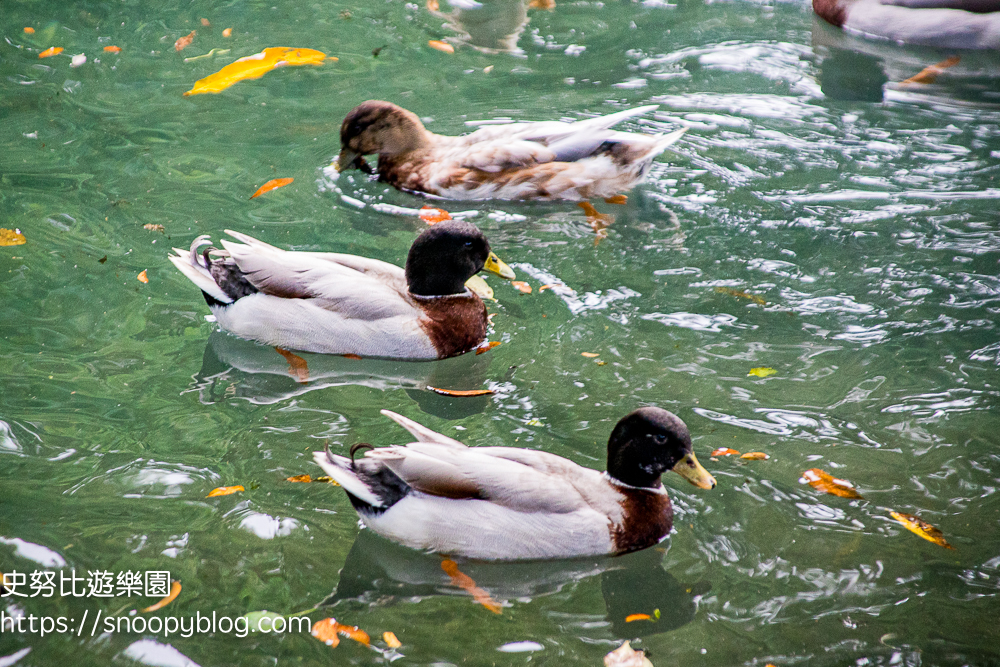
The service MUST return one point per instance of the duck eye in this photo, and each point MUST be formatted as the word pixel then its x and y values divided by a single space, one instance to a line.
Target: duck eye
pixel 468 244
pixel 659 438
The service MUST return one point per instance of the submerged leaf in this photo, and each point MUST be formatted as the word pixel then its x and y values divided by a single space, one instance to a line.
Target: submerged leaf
pixel 185 41
pixel 466 583
pixel 272 184
pixel 741 294
pixel 254 618
pixel 460 392
pixel 175 590
pixel 256 66
pixel 827 483
pixel 762 371
pixel 12 237
pixel 225 491
pixel 922 528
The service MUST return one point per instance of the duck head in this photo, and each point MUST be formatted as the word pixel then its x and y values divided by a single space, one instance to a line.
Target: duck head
pixel 648 442
pixel 444 256
pixel 378 127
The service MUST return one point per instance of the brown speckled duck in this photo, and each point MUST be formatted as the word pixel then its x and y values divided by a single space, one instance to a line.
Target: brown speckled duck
pixel 344 304
pixel 549 160
pixel 503 503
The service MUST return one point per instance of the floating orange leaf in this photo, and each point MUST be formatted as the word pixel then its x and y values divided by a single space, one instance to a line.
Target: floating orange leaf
pixel 755 456
pixel 432 215
pixel 922 528
pixel 762 371
pixel 433 5
pixel 227 32
pixel 12 237
pixel 725 451
pixel 522 287
pixel 589 355
pixel 225 491
pixel 272 184
pixel 466 583
pixel 143 278
pixel 740 294
pixel 175 590
pixel 441 46
pixel 486 347
pixel 391 640
pixel 638 617
pixel 827 483
pixel 328 629
pixel 460 393
pixel 930 74
pixel 185 41
pixel 298 367
pixel 29 30
pixel 51 51
pixel 305 479
pixel 256 66
pixel 113 49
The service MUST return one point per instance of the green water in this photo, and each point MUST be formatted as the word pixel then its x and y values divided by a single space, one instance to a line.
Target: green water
pixel 862 211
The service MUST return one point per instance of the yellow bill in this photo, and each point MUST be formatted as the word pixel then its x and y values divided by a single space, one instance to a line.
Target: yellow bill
pixel 689 468
pixel 496 265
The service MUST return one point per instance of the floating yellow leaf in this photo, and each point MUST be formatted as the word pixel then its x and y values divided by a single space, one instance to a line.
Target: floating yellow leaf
pixel 328 629
pixel 51 51
pixel 391 640
pixel 225 491
pixel 522 287
pixel 432 215
pixel 305 479
pixel 827 483
pixel 921 528
pixel 272 184
pixel 185 41
pixel 741 294
pixel 441 46
pixel 460 393
pixel 466 583
pixel 486 347
pixel 626 656
pixel 755 456
pixel 480 287
pixel 227 32
pixel 143 278
pixel 725 451
pixel 589 355
pixel 930 74
pixel 638 617
pixel 762 371
pixel 12 237
pixel 113 49
pixel 256 66
pixel 29 30
pixel 175 590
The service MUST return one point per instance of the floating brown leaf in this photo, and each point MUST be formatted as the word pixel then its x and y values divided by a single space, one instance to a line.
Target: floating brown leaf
pixel 466 583
pixel 522 287
pixel 432 215
pixel 298 367
pixel 225 491
pixel 391 640
pixel 51 51
pixel 12 237
pixel 725 451
pixel 922 528
pixel 304 479
pixel 175 590
pixel 272 184
pixel 930 74
pixel 460 392
pixel 142 277
pixel 827 483
pixel 755 456
pixel 626 656
pixel 486 347
pixel 113 49
pixel 185 41
pixel 441 46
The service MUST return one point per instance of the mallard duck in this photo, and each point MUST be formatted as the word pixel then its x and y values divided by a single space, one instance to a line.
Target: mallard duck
pixel 953 24
pixel 549 160
pixel 344 304
pixel 504 503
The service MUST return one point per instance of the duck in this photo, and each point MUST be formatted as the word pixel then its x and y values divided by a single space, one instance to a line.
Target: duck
pixel 546 161
pixel 505 503
pixel 952 24
pixel 335 303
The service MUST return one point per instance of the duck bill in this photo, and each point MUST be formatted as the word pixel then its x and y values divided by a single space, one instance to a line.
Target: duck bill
pixel 348 159
pixel 689 468
pixel 496 265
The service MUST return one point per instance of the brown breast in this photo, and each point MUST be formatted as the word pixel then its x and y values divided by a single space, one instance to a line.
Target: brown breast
pixel 455 324
pixel 646 519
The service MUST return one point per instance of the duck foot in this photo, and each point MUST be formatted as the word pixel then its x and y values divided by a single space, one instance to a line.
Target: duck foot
pixel 599 222
pixel 298 368
pixel 617 199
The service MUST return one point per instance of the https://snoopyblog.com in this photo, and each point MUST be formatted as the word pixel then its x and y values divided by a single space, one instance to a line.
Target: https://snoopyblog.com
pixel 19 586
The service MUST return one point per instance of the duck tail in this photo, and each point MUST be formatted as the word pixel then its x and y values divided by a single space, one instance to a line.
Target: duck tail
pixel 666 139
pixel 421 432
pixel 195 266
pixel 343 471
pixel 612 119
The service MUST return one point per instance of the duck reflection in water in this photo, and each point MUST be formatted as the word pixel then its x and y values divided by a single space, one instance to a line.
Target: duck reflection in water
pixel 490 26
pixel 378 572
pixel 234 368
